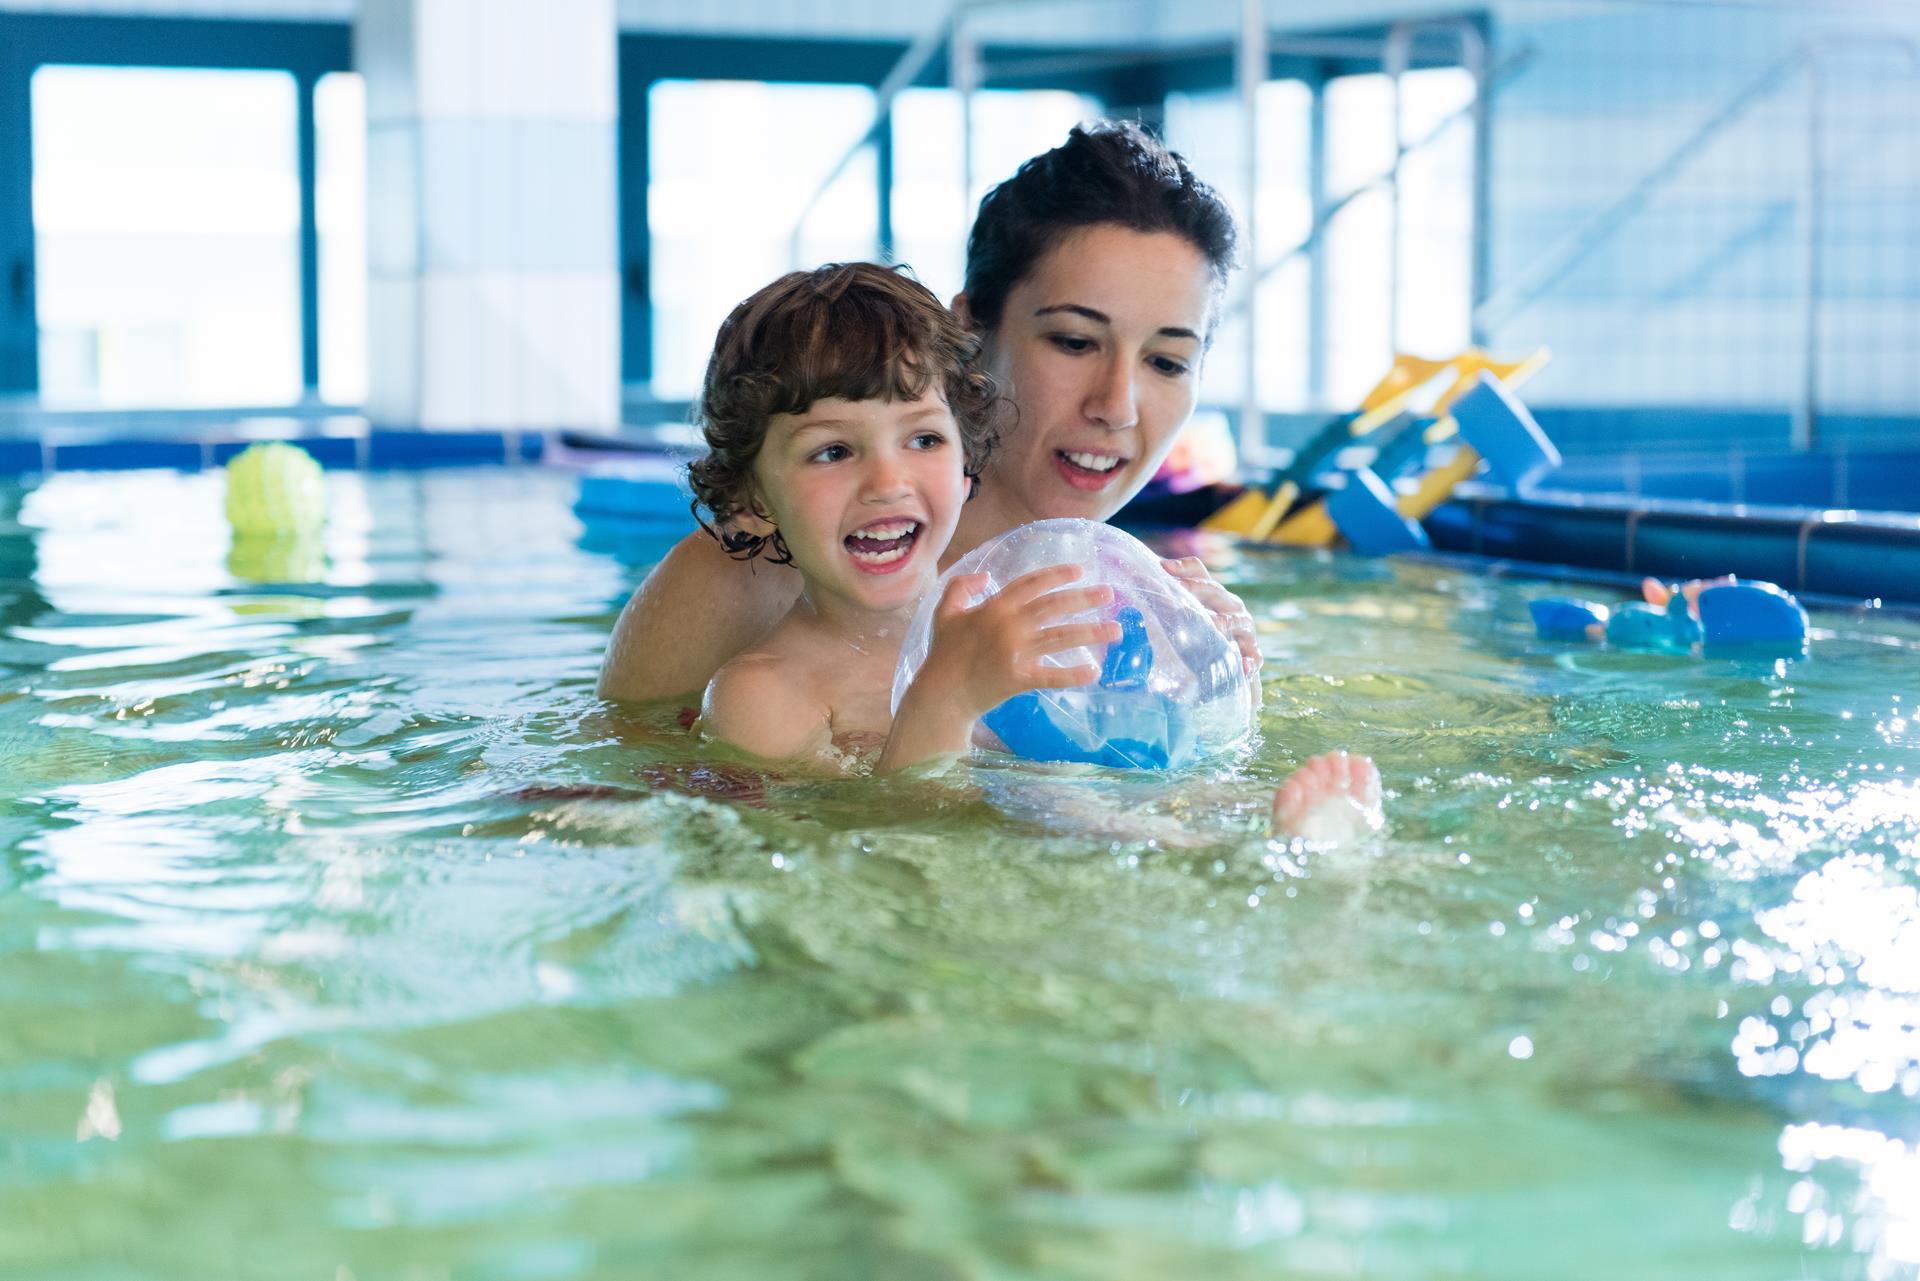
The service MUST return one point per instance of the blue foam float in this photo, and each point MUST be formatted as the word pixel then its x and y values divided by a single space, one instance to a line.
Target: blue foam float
pixel 1493 421
pixel 1559 618
pixel 634 491
pixel 1741 616
pixel 1368 517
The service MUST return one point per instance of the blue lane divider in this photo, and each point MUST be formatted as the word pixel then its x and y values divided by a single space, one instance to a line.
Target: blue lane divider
pixel 374 449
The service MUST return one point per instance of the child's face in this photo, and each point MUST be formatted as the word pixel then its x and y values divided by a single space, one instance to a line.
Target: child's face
pixel 866 494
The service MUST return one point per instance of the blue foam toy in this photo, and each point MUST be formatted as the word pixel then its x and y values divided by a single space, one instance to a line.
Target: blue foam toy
pixel 1493 421
pixel 1736 616
pixel 1368 517
pixel 1750 615
pixel 1642 626
pixel 1562 618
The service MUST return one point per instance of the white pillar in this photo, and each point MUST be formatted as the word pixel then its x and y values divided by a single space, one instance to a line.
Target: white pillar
pixel 492 219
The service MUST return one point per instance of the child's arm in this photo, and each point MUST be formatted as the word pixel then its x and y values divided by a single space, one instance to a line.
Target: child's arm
pixel 985 655
pixel 754 705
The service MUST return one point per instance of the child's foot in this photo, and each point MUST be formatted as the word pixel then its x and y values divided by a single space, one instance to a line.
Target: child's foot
pixel 1333 797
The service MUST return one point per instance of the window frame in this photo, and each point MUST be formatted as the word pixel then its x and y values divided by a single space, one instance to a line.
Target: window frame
pixel 305 50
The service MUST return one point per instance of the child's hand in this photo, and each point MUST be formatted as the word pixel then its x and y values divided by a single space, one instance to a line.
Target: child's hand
pixel 983 656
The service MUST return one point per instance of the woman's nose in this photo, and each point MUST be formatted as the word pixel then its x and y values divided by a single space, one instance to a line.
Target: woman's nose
pixel 1112 401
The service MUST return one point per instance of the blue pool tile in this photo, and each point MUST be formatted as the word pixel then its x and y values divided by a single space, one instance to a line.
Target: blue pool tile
pixel 435 448
pixel 122 455
pixel 1789 480
pixel 328 451
pixel 17 456
pixel 533 446
pixel 1881 480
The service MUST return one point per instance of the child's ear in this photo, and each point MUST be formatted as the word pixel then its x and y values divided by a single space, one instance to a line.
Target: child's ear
pixel 753 518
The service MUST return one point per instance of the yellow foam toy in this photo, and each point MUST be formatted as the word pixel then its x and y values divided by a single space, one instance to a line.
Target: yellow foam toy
pixel 1255 515
pixel 275 490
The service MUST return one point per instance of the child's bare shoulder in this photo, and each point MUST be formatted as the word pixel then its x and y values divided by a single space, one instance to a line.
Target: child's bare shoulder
pixel 762 702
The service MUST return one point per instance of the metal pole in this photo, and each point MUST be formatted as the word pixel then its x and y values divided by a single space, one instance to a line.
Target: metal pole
pixel 1317 246
pixel 1395 56
pixel 963 73
pixel 1250 69
pixel 1806 413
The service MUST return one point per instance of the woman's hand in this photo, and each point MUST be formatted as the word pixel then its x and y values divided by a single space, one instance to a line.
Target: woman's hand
pixel 984 655
pixel 1228 612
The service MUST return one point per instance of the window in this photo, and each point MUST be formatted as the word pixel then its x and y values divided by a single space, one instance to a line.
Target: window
pixel 733 164
pixel 1206 129
pixel 931 213
pixel 340 215
pixel 166 216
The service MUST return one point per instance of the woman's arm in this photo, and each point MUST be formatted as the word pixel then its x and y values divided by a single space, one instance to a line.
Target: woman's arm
pixel 697 609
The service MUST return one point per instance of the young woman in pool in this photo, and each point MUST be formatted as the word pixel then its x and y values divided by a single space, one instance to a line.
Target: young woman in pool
pixel 1094 277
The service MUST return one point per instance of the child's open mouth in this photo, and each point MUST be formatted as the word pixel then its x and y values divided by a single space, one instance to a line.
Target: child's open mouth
pixel 882 546
pixel 1084 470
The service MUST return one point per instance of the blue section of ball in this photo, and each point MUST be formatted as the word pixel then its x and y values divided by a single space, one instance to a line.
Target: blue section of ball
pixel 1171 689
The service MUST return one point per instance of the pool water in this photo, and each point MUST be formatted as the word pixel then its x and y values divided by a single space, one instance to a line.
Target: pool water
pixel 345 934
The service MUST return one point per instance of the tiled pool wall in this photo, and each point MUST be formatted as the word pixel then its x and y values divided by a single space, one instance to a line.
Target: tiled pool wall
pixel 92 450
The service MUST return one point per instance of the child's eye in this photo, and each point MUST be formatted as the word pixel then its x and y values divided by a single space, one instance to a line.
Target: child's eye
pixel 830 454
pixel 1072 344
pixel 1170 367
pixel 928 440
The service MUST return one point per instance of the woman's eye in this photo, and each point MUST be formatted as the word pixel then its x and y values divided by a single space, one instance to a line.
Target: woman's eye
pixel 1072 343
pixel 1170 367
pixel 830 454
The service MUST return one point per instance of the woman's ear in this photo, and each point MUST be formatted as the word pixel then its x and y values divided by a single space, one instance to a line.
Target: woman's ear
pixel 961 311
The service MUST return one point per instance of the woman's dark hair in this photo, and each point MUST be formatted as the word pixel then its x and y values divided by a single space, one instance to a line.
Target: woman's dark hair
pixel 1110 172
pixel 855 331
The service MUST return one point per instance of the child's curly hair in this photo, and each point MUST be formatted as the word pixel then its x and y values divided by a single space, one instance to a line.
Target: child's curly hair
pixel 856 331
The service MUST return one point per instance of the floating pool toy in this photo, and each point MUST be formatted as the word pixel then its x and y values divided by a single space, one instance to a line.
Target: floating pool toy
pixel 1171 690
pixel 275 490
pixel 1732 617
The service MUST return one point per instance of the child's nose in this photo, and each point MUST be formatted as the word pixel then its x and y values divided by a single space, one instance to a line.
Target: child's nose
pixel 886 480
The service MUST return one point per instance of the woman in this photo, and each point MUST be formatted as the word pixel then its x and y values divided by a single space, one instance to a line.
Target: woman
pixel 1095 275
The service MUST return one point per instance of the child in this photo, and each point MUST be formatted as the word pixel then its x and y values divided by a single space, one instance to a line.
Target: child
pixel 845 421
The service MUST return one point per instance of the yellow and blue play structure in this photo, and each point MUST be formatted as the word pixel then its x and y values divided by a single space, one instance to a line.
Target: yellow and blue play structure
pixel 1376 507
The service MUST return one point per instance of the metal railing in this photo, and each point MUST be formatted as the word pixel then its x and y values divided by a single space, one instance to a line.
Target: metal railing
pixel 1553 266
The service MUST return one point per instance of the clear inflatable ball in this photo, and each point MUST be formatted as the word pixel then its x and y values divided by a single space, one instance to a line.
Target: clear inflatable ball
pixel 275 490
pixel 1171 690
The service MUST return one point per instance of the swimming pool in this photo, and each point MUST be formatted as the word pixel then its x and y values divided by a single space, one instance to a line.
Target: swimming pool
pixel 344 933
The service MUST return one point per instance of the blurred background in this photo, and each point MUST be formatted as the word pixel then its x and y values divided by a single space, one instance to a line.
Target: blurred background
pixel 473 213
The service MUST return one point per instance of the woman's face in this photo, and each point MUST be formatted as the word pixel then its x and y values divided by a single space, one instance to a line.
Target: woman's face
pixel 1099 348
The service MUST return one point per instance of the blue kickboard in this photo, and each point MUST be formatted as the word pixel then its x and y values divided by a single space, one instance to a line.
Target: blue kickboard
pixel 1369 519
pixel 1493 421
pixel 635 491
